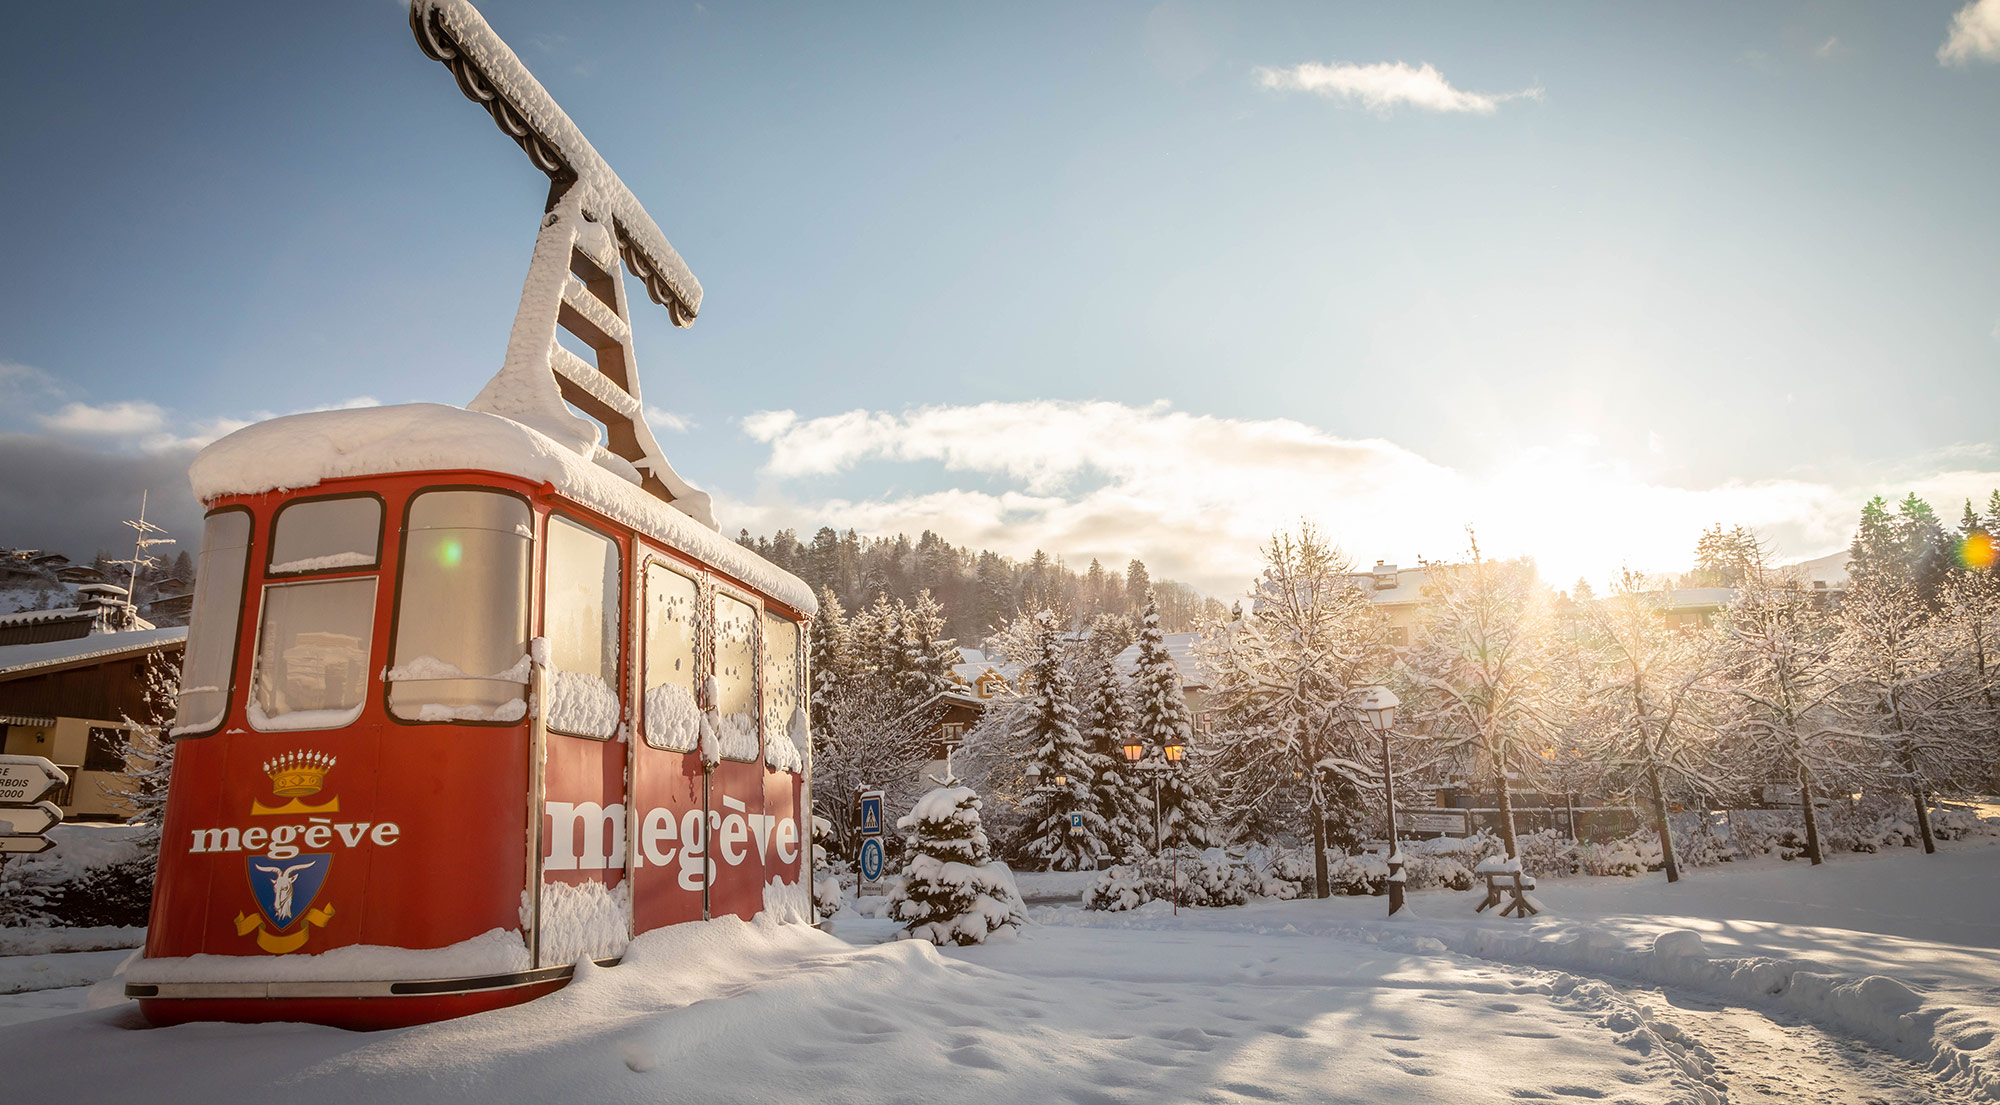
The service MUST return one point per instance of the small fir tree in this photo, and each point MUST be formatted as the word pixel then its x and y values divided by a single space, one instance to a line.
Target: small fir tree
pixel 1062 762
pixel 1123 799
pixel 1161 718
pixel 951 891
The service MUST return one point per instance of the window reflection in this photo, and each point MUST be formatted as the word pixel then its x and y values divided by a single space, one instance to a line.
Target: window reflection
pixel 673 721
pixel 320 535
pixel 736 677
pixel 581 622
pixel 312 654
pixel 462 615
pixel 210 657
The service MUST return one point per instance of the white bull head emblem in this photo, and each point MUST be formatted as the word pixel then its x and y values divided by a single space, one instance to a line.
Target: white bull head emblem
pixel 281 888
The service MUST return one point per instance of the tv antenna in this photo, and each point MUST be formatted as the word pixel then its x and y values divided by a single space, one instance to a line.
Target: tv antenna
pixel 591 220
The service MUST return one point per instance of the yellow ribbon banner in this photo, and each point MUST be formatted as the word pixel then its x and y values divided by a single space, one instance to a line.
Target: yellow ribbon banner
pixel 279 945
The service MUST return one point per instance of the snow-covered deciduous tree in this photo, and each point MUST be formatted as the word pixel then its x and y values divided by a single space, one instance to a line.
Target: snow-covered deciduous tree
pixel 1645 701
pixel 1483 670
pixel 1067 831
pixel 1286 679
pixel 867 738
pixel 951 891
pixel 1182 810
pixel 1896 686
pixel 1774 659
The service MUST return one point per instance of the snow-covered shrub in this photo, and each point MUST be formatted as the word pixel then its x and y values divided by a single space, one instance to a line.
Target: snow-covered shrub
pixel 1549 854
pixel 952 892
pixel 95 875
pixel 1366 873
pixel 1620 857
pixel 1283 873
pixel 1212 878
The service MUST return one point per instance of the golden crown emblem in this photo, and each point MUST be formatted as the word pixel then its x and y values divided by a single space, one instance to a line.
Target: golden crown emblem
pixel 297 774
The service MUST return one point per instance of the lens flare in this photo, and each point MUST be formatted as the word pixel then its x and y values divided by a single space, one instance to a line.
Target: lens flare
pixel 450 552
pixel 1978 551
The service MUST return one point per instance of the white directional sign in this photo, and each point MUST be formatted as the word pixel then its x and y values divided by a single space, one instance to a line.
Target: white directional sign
pixel 27 779
pixel 24 845
pixel 1433 821
pixel 29 820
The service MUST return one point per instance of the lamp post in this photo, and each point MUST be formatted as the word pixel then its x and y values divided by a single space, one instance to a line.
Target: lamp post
pixel 1171 755
pixel 1378 709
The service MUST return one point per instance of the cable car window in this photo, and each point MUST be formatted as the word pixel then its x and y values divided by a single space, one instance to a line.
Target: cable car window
pixel 736 677
pixel 781 695
pixel 673 719
pixel 322 535
pixel 208 665
pixel 312 654
pixel 461 637
pixel 580 619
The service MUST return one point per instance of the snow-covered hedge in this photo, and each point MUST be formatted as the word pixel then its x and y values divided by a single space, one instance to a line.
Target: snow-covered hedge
pixel 95 875
pixel 1211 878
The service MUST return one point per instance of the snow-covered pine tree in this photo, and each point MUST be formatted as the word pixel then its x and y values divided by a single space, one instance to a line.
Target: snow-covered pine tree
pixel 1062 762
pixel 831 662
pixel 1123 799
pixel 951 891
pixel 1139 589
pixel 1160 717
pixel 927 654
pixel 149 755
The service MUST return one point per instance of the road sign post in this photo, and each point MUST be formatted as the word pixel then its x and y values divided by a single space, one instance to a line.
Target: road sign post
pixel 872 857
pixel 24 817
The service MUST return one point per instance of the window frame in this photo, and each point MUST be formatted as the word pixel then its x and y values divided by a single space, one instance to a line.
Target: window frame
pixel 229 703
pixel 620 685
pixel 368 671
pixel 381 535
pixel 719 588
pixel 800 685
pixel 528 607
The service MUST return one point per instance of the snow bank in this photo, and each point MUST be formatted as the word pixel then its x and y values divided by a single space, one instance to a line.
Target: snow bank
pixel 36 940
pixel 303 450
pixel 497 951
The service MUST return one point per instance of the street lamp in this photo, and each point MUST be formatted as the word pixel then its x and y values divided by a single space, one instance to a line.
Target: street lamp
pixel 1171 755
pixel 1377 709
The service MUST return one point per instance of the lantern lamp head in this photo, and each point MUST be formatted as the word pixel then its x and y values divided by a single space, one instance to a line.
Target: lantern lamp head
pixel 1062 779
pixel 1378 708
pixel 1133 751
pixel 1034 773
pixel 1174 751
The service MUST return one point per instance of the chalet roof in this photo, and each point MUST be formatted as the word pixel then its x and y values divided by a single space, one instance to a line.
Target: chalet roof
pixel 18 661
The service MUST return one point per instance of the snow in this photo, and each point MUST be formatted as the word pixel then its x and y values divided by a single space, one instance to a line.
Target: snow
pixel 301 719
pixel 786 751
pixel 673 720
pixel 582 703
pixel 303 450
pixel 1868 978
pixel 430 667
pixel 583 920
pixel 15 659
pixel 497 951
pixel 737 736
pixel 506 711
pixel 325 563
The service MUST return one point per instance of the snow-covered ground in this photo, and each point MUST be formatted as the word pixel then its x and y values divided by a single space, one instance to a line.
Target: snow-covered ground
pixel 1762 997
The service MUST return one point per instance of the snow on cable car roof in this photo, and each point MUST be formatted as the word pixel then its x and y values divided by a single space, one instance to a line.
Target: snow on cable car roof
pixel 302 450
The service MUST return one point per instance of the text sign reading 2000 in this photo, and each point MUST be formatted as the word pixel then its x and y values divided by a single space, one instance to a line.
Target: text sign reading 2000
pixel 25 780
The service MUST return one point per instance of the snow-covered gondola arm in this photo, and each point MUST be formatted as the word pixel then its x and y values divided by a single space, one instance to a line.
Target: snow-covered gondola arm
pixel 592 220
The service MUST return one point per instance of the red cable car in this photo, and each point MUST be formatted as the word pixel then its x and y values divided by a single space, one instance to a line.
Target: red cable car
pixel 473 694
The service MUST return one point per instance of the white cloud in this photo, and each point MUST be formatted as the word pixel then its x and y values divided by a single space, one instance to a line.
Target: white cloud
pixel 109 420
pixel 1384 86
pixel 1975 34
pixel 1195 495
pixel 660 418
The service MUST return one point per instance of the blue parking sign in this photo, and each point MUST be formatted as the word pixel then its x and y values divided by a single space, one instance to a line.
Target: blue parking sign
pixel 871 858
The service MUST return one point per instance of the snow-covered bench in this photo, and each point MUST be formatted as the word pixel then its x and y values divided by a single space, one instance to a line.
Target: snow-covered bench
pixel 1504 880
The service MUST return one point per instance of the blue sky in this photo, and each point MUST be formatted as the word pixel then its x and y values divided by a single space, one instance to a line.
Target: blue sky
pixel 1112 280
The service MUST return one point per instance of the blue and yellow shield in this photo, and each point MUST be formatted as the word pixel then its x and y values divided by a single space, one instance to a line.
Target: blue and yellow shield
pixel 285 888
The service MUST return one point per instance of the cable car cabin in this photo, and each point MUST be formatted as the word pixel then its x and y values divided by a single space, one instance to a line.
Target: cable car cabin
pixel 471 694
pixel 446 728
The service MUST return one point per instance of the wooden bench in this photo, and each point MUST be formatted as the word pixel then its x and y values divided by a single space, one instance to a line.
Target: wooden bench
pixel 1501 885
